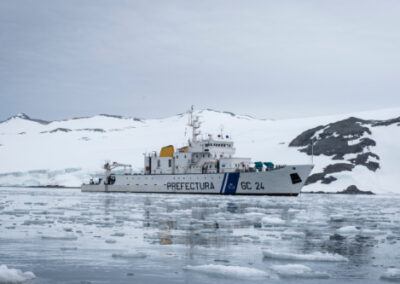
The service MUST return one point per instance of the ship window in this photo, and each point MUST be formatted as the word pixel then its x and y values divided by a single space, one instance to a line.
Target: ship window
pixel 185 156
pixel 203 155
pixel 158 163
pixel 295 178
pixel 169 163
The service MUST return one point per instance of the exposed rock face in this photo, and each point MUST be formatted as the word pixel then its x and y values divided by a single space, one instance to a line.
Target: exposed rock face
pixel 60 129
pixel 350 137
pixel 334 168
pixel 362 159
pixel 352 189
pixel 333 139
pixel 304 139
pixel 387 122
pixel 26 117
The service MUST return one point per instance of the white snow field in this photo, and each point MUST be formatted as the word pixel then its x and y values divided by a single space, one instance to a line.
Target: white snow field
pixel 68 152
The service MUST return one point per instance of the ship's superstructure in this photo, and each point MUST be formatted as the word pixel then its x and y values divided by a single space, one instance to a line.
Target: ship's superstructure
pixel 204 165
pixel 200 156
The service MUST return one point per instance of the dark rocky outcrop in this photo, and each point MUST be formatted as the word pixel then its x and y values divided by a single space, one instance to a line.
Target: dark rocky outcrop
pixel 338 139
pixel 339 167
pixel 26 117
pixel 331 169
pixel 362 159
pixel 334 138
pixel 352 189
pixel 387 122
pixel 328 180
pixel 304 139
pixel 61 130
pixel 92 129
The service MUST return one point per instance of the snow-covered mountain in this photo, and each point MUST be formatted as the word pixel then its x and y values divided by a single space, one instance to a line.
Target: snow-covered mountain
pixel 359 149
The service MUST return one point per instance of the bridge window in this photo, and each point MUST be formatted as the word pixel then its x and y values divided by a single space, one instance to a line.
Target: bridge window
pixel 169 163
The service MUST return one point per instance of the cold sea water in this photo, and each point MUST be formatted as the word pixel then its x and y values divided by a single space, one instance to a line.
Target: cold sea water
pixel 65 236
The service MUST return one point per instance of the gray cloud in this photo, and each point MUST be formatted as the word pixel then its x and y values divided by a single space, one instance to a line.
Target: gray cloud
pixel 155 58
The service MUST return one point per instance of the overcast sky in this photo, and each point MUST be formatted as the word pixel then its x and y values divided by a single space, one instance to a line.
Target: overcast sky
pixel 271 59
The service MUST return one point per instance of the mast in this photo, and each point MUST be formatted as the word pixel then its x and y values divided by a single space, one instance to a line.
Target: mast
pixel 194 123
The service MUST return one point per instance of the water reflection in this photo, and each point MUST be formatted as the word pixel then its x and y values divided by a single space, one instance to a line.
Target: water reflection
pixel 197 230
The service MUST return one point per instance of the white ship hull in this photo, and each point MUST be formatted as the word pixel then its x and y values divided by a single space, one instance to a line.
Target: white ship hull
pixel 287 180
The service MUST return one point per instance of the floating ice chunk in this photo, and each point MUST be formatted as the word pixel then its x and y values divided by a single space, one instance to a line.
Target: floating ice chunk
pixel 65 238
pixel 348 230
pixel 298 271
pixel 118 234
pixel 316 256
pixel 368 232
pixel 292 234
pixel 392 274
pixel 110 241
pixel 11 275
pixel 253 216
pixel 270 221
pixel 228 271
pixel 129 255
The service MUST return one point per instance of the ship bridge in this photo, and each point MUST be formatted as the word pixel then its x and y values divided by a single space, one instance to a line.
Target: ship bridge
pixel 200 156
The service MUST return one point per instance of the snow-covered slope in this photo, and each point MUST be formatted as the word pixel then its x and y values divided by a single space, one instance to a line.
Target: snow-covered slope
pixel 37 152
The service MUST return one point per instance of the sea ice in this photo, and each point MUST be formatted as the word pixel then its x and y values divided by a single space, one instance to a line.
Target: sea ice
pixel 316 256
pixel 228 271
pixel 11 275
pixel 271 221
pixel 64 238
pixel 292 234
pixel 129 255
pixel 392 274
pixel 348 230
pixel 298 271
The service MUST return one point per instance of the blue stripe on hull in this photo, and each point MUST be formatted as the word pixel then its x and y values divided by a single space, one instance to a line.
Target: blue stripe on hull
pixel 222 185
pixel 232 182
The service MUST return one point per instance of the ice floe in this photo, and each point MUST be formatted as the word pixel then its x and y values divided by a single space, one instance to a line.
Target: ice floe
pixel 11 275
pixel 348 230
pixel 288 234
pixel 392 274
pixel 298 271
pixel 272 221
pixel 316 256
pixel 218 270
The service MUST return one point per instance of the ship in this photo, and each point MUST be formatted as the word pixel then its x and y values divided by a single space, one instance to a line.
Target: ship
pixel 205 165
